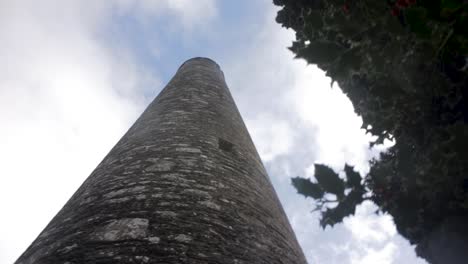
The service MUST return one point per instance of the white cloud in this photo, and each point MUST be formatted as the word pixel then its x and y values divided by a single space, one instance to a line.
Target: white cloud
pixel 56 94
pixel 384 255
pixel 368 227
pixel 272 137
pixel 285 98
pixel 190 14
pixel 272 83
pixel 67 93
pixel 339 136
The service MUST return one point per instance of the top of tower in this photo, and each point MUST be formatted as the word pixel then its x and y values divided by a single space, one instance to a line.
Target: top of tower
pixel 200 59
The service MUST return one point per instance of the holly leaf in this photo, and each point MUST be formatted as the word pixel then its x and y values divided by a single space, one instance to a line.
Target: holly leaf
pixel 329 180
pixel 451 4
pixel 348 61
pixel 320 52
pixel 416 17
pixel 353 178
pixel 345 207
pixel 282 16
pixel 313 21
pixel 278 2
pixel 307 188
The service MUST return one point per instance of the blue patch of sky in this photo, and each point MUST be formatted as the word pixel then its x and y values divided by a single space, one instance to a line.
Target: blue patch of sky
pixel 228 35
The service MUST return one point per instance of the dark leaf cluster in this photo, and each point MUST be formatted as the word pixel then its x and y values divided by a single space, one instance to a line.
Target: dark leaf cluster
pixel 348 193
pixel 404 66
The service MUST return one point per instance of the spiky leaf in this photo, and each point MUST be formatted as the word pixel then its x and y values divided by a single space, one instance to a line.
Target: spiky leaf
pixel 307 188
pixel 353 178
pixel 319 52
pixel 345 207
pixel 329 180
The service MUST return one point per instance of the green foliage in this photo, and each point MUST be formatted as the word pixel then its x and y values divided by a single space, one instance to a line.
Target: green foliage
pixel 345 207
pixel 353 178
pixel 321 51
pixel 416 17
pixel 403 64
pixel 329 182
pixel 308 188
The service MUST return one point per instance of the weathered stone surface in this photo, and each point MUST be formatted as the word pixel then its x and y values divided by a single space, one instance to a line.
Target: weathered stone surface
pixel 184 185
pixel 122 229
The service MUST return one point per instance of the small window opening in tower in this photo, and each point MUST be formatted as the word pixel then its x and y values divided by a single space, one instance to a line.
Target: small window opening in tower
pixel 225 145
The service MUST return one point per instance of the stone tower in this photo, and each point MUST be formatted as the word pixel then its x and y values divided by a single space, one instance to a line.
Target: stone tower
pixel 185 184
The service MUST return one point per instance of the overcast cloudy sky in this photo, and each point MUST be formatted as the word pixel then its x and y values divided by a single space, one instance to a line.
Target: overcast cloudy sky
pixel 75 74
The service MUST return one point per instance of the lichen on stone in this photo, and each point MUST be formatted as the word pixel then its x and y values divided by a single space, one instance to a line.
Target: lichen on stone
pixel 154 239
pixel 183 238
pixel 162 165
pixel 166 213
pixel 189 150
pixel 210 204
pixel 122 229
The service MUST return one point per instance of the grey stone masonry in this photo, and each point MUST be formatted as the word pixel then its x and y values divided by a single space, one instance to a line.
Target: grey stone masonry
pixel 185 184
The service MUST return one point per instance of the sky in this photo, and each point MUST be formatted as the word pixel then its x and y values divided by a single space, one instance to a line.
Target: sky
pixel 75 75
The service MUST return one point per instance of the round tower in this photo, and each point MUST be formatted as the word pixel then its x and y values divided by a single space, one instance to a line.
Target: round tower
pixel 185 184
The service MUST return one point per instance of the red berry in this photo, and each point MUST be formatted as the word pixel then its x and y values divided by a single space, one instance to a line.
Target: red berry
pixel 395 11
pixel 346 8
pixel 401 4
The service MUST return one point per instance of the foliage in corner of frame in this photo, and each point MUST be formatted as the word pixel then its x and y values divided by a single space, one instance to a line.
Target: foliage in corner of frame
pixel 403 64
